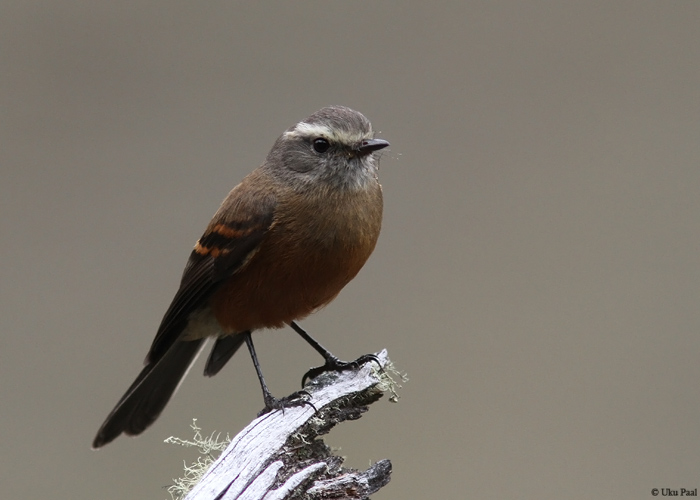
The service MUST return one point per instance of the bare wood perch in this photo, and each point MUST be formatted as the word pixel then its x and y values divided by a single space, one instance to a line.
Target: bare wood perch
pixel 277 456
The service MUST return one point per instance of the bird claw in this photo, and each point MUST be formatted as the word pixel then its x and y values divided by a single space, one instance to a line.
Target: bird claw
pixel 336 365
pixel 299 398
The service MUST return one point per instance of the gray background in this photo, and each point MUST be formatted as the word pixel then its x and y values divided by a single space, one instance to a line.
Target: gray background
pixel 537 275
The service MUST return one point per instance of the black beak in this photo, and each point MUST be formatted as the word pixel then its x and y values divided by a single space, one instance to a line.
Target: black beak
pixel 371 145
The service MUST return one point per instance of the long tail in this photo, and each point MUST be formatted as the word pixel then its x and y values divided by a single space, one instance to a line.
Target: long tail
pixel 143 402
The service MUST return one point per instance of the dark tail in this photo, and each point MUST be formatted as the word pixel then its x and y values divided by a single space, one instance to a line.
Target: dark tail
pixel 223 349
pixel 145 399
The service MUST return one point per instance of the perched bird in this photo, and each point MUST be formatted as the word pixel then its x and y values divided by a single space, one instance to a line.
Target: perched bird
pixel 283 244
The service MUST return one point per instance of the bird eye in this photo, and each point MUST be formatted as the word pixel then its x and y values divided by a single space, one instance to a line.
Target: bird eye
pixel 321 145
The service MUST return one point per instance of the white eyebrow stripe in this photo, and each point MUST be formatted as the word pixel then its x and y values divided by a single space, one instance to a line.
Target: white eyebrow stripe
pixel 303 129
pixel 312 129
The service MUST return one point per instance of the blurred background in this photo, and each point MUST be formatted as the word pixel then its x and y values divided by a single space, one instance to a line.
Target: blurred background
pixel 537 277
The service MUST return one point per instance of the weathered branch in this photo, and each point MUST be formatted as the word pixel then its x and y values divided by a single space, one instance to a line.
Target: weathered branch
pixel 278 455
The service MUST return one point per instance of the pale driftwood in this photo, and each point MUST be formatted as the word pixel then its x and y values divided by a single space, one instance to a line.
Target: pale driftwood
pixel 278 456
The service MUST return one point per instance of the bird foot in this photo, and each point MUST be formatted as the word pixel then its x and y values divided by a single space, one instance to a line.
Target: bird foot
pixel 335 365
pixel 299 398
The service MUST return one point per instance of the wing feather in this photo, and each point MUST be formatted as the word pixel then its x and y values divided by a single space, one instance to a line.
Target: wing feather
pixel 232 237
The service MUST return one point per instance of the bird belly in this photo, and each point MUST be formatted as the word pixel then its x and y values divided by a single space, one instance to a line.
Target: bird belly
pixel 277 287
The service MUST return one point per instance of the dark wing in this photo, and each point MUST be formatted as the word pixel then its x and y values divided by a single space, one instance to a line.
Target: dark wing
pixel 236 230
pixel 233 234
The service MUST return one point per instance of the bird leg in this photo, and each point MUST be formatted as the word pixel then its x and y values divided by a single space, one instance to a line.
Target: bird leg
pixel 272 403
pixel 332 363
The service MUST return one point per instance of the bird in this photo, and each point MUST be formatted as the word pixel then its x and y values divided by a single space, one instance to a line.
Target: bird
pixel 283 244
